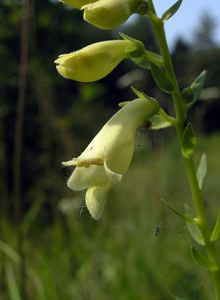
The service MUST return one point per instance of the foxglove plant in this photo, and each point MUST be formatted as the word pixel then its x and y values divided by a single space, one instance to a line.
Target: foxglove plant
pixel 108 156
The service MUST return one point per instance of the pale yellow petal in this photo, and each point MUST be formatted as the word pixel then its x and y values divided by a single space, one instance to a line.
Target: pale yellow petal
pixel 82 178
pixel 114 177
pixel 95 200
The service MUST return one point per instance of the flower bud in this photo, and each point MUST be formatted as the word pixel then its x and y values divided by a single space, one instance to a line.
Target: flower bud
pixel 77 3
pixel 94 61
pixel 108 14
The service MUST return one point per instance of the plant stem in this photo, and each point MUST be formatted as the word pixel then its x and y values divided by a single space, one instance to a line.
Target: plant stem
pixel 180 110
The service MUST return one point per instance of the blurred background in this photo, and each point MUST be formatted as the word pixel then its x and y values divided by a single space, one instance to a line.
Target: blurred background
pixel 50 248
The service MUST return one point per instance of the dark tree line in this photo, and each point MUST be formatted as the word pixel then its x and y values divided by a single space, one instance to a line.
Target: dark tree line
pixel 60 115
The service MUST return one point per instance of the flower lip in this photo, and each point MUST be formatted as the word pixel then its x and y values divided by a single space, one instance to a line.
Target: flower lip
pixel 95 200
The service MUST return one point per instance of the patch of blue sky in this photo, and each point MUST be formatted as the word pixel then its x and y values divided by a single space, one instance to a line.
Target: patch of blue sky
pixel 186 20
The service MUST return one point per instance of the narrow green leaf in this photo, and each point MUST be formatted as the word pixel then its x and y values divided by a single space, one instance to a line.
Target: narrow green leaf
pixel 216 231
pixel 9 252
pixel 129 38
pixel 171 120
pixel 193 228
pixel 202 170
pixel 195 233
pixel 191 93
pixel 187 95
pixel 178 213
pixel 161 78
pixel 11 282
pixel 158 122
pixel 37 282
pixel 198 84
pixel 171 11
pixel 31 216
pixel 188 141
pixel 203 260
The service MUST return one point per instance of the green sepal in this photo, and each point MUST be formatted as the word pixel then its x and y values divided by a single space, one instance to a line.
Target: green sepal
pixel 178 213
pixel 203 260
pixel 141 61
pixel 142 94
pixel 162 120
pixel 191 93
pixel 138 50
pixel 188 141
pixel 122 104
pixel 137 92
pixel 161 78
pixel 193 228
pixel 154 58
pixel 141 57
pixel 171 11
pixel 159 122
pixel 202 170
pixel 216 231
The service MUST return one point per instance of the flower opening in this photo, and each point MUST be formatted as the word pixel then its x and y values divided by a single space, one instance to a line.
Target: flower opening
pixel 108 156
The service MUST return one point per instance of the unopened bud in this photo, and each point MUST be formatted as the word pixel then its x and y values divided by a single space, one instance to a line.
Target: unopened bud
pixel 94 61
pixel 108 14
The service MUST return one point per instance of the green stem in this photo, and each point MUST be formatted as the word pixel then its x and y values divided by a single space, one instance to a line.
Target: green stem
pixel 180 110
pixel 151 6
pixel 203 222
pixel 168 65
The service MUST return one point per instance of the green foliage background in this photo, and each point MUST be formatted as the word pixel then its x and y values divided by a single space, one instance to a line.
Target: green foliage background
pixel 138 250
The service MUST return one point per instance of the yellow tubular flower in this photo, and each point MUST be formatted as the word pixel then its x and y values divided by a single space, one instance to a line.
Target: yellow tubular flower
pixel 108 14
pixel 94 61
pixel 108 156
